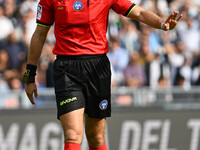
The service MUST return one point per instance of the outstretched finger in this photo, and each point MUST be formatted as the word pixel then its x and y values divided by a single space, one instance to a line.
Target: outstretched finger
pixel 31 98
pixel 179 17
pixel 170 17
pixel 35 93
pixel 175 14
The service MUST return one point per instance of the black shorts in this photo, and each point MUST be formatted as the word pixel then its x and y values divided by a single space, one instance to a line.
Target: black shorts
pixel 83 82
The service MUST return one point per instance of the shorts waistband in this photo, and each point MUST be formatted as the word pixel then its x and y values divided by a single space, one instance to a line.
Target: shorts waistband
pixel 79 56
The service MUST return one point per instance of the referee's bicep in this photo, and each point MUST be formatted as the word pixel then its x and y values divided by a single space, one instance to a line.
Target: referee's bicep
pixel 41 32
pixel 135 12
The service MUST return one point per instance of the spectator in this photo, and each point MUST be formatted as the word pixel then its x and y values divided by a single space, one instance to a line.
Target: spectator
pixel 134 73
pixel 114 24
pixel 45 70
pixel 6 26
pixel 164 82
pixel 196 75
pixel 146 55
pixel 190 30
pixel 12 77
pixel 48 59
pixel 129 35
pixel 176 58
pixel 15 84
pixel 119 58
pixel 152 37
pixel 184 75
pixel 4 87
pixel 15 50
pixel 28 24
pixel 26 5
pixel 10 9
pixel 4 61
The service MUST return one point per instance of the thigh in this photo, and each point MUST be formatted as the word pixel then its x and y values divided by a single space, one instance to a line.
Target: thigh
pixel 72 124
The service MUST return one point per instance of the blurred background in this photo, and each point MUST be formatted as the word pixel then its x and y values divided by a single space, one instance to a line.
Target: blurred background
pixel 155 81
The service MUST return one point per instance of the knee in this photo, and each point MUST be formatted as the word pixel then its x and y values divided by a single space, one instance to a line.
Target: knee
pixel 73 136
pixel 96 139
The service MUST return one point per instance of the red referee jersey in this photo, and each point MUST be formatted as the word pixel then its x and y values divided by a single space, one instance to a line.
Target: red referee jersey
pixel 80 25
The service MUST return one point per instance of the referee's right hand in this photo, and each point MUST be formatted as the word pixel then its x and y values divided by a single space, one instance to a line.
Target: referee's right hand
pixel 31 88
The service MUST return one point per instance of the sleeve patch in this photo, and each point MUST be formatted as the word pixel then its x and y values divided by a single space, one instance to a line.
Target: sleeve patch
pixel 39 12
pixel 39 8
pixel 39 15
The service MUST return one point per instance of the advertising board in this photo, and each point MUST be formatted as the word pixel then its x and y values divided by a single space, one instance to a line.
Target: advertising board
pixel 126 130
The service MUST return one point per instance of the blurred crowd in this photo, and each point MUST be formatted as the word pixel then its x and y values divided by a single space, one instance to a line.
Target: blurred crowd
pixel 140 55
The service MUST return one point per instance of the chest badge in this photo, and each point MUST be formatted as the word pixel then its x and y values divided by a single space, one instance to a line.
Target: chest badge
pixel 78 5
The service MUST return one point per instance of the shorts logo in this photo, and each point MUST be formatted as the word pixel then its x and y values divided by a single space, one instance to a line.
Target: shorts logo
pixel 68 101
pixel 78 5
pixel 103 104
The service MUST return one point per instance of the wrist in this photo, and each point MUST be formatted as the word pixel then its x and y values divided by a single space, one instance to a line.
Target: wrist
pixel 162 24
pixel 29 74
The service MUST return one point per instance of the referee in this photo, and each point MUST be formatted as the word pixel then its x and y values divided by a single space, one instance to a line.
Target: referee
pixel 82 74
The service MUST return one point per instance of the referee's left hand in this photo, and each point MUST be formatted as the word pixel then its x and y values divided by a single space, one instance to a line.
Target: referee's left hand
pixel 31 88
pixel 172 21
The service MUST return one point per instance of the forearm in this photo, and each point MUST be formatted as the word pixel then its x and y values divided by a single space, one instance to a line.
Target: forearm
pixel 146 16
pixel 35 49
pixel 36 46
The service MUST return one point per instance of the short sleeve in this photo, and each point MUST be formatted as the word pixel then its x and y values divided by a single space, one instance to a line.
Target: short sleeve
pixel 123 7
pixel 45 13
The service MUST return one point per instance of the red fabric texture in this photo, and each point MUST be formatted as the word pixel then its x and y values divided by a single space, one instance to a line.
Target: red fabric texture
pixel 72 146
pixel 79 30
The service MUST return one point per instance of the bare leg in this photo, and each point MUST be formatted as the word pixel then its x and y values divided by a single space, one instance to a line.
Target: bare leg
pixel 72 124
pixel 95 131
